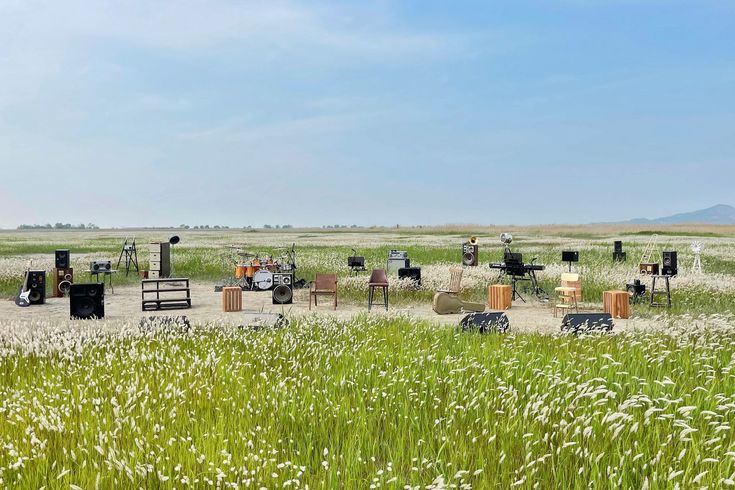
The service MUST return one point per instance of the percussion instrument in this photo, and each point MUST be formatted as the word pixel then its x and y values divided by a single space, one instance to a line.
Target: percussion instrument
pixel 263 279
pixel 241 271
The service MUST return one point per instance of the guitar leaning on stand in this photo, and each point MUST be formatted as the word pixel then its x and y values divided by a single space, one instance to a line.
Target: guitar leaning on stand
pixel 23 298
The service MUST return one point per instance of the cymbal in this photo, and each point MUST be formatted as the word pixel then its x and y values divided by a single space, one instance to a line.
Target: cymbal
pixel 246 254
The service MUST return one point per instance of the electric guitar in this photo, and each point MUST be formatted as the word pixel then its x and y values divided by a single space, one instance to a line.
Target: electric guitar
pixel 24 293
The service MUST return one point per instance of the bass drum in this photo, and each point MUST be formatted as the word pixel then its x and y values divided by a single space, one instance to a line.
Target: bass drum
pixel 263 279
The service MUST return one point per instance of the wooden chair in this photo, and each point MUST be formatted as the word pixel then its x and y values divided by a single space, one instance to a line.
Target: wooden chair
pixel 455 281
pixel 378 279
pixel 570 280
pixel 323 285
pixel 567 294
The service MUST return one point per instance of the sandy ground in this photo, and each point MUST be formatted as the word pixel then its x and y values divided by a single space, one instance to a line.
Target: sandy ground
pixel 124 305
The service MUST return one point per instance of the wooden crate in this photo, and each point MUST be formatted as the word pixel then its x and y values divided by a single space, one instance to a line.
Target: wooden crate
pixel 231 299
pixel 617 303
pixel 500 296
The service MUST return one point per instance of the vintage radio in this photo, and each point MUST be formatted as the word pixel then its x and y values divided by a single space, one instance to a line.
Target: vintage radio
pixel 648 268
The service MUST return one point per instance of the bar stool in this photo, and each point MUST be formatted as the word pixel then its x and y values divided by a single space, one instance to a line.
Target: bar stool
pixel 378 279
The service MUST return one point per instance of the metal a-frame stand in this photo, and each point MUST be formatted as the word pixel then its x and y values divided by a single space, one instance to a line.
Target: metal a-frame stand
pixel 131 256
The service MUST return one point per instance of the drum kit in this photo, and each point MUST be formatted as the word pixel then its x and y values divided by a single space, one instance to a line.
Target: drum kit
pixel 256 273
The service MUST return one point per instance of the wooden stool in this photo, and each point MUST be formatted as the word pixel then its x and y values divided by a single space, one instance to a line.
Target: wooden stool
pixel 566 299
pixel 617 303
pixel 500 296
pixel 655 293
pixel 231 299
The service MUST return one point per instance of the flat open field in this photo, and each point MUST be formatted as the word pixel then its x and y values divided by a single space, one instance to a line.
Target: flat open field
pixel 357 400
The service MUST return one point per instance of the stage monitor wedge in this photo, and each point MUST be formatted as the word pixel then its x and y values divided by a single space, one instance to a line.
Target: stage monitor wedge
pixel 486 322
pixel 577 323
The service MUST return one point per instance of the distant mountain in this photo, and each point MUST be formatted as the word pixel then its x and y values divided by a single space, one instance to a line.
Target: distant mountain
pixel 721 214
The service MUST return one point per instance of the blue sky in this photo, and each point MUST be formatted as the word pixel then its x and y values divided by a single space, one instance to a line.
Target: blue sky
pixel 143 113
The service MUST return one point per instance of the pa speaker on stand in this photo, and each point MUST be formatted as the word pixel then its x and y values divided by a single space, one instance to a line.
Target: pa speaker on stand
pixel 669 263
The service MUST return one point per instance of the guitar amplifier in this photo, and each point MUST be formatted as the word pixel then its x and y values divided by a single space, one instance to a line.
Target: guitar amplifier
pixel 394 265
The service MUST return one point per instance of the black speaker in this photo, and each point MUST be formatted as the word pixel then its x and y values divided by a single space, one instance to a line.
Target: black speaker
pixel 618 246
pixel 87 301
pixel 100 266
pixel 488 322
pixel 283 294
pixel 569 256
pixel 413 273
pixel 37 286
pixel 355 262
pixel 63 261
pixel 470 254
pixel 670 265
pixel 619 256
pixel 576 323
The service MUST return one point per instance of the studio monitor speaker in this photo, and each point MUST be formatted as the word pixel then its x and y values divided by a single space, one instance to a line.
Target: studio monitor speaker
pixel 62 259
pixel 37 286
pixel 470 254
pixel 576 323
pixel 87 301
pixel 670 264
pixel 570 256
pixel 618 246
pixel 487 322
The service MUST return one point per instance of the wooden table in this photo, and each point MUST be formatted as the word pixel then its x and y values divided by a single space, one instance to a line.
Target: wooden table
pixel 617 303
pixel 500 296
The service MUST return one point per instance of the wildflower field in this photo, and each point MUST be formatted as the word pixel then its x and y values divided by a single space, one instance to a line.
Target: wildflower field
pixel 379 400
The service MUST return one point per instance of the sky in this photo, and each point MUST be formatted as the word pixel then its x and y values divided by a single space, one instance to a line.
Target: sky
pixel 154 113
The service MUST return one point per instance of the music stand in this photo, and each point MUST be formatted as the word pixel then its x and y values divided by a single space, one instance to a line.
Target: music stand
pixel 131 256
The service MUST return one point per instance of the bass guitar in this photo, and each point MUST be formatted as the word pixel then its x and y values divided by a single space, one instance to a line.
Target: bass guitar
pixel 23 298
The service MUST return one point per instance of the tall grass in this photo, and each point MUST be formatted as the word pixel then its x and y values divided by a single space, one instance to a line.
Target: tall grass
pixel 382 402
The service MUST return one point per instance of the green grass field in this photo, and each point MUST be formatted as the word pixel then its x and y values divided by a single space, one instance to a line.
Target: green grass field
pixel 389 403
pixel 375 401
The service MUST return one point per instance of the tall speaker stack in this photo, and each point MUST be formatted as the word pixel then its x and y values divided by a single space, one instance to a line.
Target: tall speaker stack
pixel 618 254
pixel 62 274
pixel 159 265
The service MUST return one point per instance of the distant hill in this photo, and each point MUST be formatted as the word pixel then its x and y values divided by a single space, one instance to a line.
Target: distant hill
pixel 721 214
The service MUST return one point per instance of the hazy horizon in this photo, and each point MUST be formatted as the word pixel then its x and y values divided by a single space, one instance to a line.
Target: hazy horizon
pixel 418 113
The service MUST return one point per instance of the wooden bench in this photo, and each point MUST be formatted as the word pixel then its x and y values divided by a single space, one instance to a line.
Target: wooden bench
pixel 170 294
